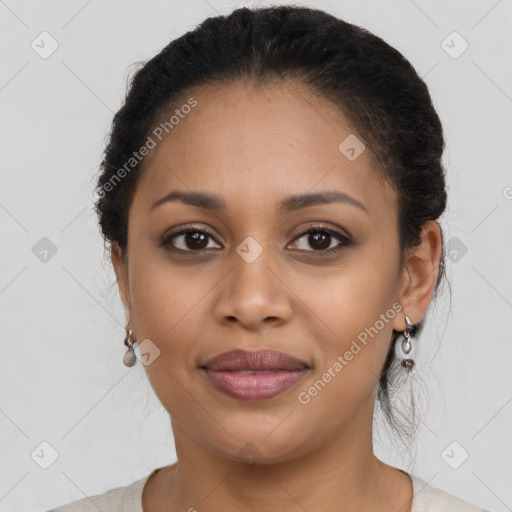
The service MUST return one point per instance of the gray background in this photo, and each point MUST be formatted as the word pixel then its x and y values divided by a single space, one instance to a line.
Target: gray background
pixel 62 324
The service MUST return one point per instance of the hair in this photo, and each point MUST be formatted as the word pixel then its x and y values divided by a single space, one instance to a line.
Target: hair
pixel 372 83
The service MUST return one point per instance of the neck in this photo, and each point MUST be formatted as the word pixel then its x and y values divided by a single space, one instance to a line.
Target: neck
pixel 340 473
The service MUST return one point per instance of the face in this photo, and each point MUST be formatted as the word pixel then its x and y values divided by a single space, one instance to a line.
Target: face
pixel 260 267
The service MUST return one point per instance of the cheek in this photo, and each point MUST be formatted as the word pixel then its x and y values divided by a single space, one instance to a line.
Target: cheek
pixel 355 307
pixel 349 358
pixel 164 298
pixel 171 305
pixel 166 309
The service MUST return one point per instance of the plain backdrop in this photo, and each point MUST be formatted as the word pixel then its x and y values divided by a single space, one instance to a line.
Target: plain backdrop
pixel 62 382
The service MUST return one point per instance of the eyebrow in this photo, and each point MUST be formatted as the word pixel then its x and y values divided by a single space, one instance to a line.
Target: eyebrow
pixel 286 205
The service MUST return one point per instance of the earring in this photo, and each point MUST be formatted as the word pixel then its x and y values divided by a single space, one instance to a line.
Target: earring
pixel 129 358
pixel 406 347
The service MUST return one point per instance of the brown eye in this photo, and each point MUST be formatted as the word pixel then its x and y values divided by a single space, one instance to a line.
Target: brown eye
pixel 189 240
pixel 321 239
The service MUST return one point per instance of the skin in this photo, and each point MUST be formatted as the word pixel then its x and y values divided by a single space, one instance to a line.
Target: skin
pixel 253 147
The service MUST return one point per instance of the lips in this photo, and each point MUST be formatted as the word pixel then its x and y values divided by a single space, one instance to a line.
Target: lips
pixel 261 360
pixel 251 376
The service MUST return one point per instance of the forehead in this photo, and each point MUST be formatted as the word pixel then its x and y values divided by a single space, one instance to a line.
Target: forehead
pixel 259 144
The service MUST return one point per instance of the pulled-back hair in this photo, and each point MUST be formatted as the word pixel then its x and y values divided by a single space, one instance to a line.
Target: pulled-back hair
pixel 372 83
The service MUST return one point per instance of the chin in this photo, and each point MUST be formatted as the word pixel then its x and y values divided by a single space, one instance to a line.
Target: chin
pixel 262 447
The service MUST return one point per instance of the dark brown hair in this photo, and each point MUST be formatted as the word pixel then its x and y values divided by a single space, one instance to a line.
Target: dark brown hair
pixel 372 83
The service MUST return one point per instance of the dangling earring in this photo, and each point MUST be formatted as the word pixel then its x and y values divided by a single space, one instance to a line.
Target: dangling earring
pixel 405 347
pixel 129 358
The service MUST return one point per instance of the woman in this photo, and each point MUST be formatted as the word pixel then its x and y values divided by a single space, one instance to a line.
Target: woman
pixel 270 195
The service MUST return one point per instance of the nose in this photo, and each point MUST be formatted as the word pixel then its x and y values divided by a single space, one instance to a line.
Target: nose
pixel 254 294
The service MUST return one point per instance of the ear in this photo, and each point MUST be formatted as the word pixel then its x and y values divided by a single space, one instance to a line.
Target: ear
pixel 419 276
pixel 120 265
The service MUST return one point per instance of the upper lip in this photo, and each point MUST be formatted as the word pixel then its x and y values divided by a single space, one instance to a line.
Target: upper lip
pixel 260 360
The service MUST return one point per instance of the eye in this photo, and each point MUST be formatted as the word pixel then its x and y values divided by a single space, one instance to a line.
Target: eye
pixel 190 239
pixel 321 239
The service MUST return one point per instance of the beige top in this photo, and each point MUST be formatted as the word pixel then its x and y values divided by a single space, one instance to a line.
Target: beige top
pixel 129 499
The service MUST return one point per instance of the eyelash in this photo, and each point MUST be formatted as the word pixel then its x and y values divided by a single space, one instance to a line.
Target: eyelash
pixel 317 228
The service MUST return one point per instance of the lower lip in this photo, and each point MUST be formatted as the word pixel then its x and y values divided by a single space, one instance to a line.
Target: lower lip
pixel 259 385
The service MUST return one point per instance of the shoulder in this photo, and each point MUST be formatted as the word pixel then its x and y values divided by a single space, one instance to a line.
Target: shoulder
pixel 120 499
pixel 430 499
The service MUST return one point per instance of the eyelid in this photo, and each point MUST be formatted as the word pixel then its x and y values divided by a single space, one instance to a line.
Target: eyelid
pixel 166 239
pixel 344 238
pixel 184 228
pixel 323 226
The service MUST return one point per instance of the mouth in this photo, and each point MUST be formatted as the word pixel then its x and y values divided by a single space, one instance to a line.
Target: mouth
pixel 252 376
